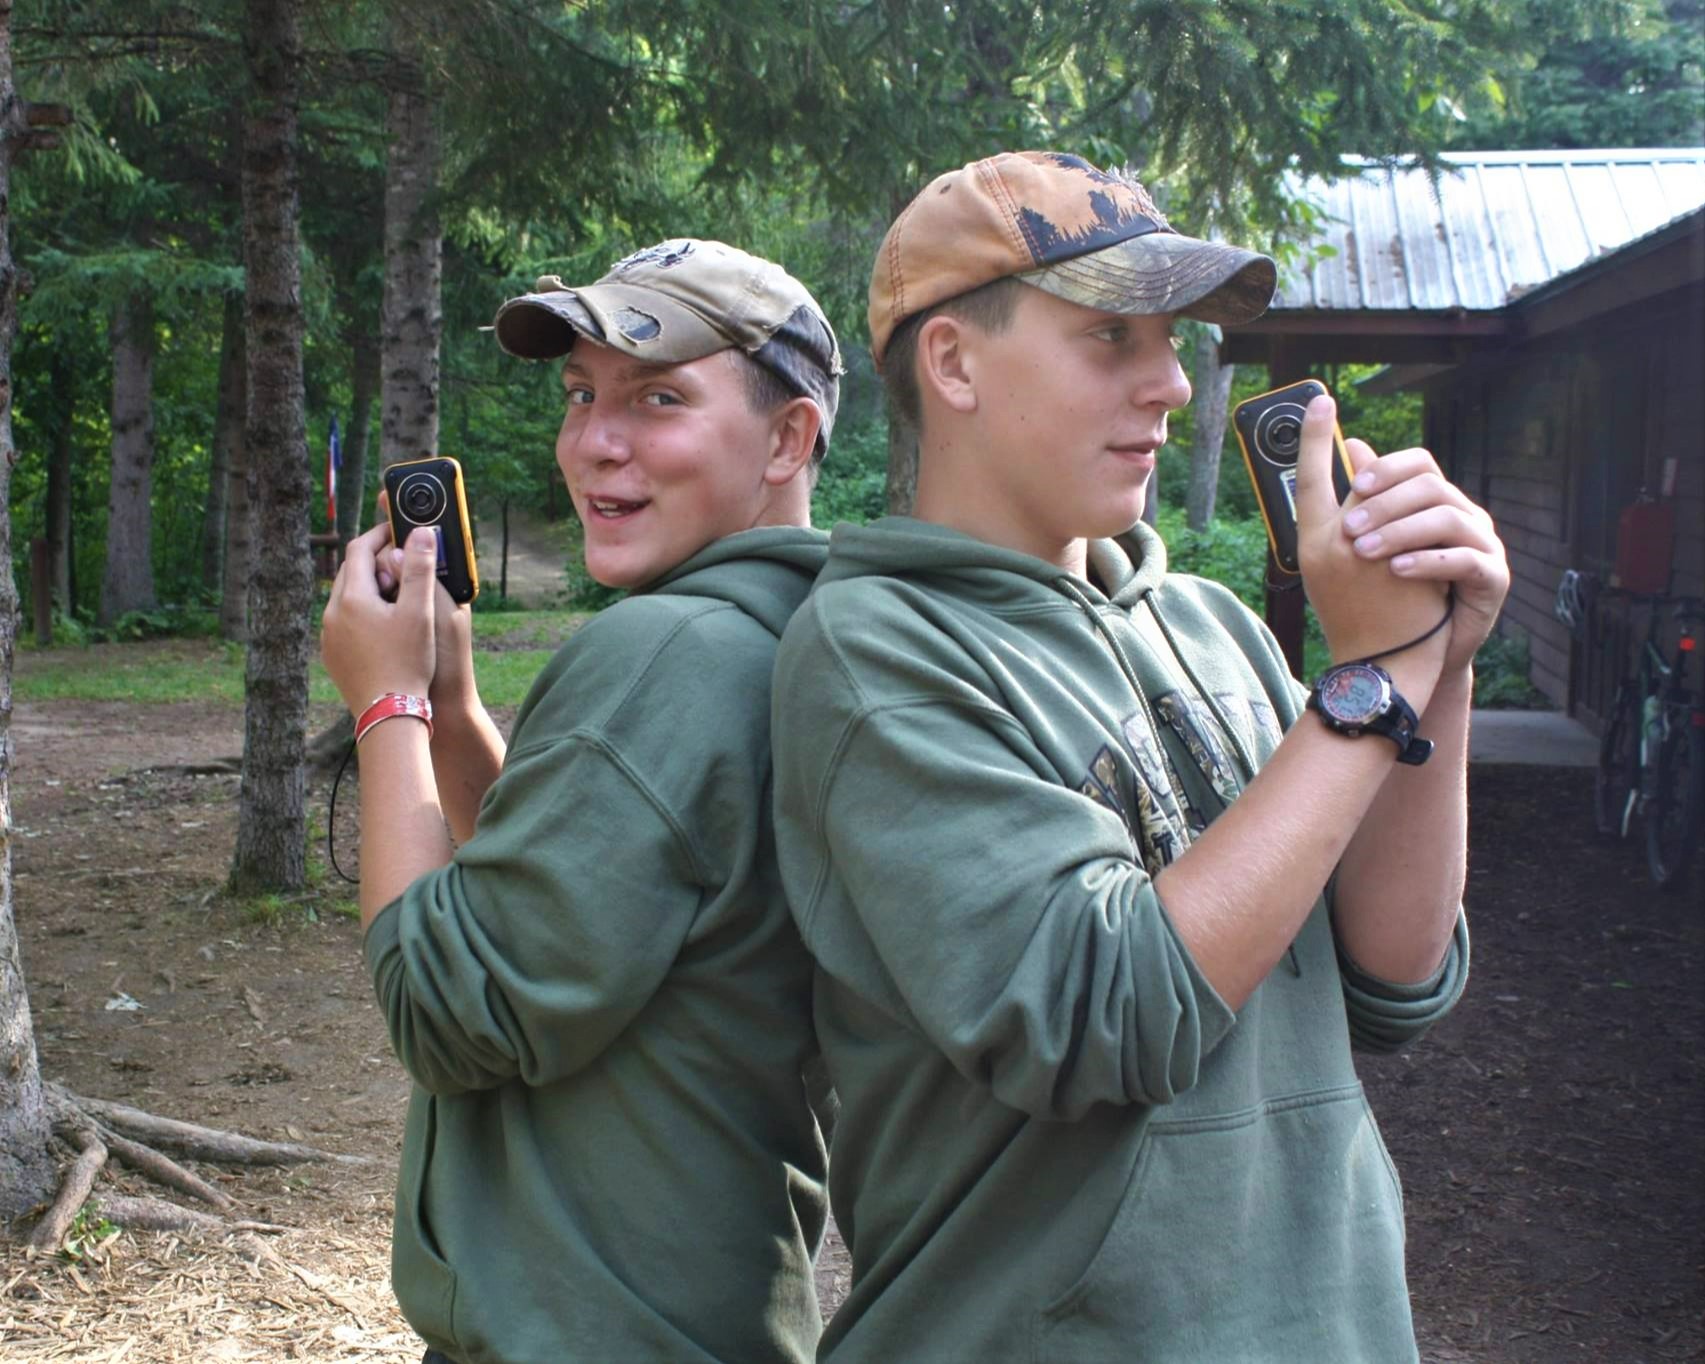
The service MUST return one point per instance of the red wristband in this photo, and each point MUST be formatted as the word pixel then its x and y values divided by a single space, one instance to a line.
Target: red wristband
pixel 388 707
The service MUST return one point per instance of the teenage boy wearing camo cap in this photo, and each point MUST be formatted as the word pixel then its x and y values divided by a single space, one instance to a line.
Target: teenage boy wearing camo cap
pixel 579 942
pixel 1098 906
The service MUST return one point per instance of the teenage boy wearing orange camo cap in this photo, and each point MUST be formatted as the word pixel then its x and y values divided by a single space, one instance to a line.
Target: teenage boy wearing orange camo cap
pixel 1100 896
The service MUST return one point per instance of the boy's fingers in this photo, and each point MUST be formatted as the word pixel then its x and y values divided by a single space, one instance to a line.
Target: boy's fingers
pixel 358 554
pixel 1316 501
pixel 419 570
pixel 1361 455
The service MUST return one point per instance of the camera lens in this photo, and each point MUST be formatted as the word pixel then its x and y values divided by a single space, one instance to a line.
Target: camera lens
pixel 421 499
pixel 1285 436
pixel 1278 433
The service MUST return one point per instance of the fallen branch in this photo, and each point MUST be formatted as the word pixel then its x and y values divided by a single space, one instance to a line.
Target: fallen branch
pixel 73 1193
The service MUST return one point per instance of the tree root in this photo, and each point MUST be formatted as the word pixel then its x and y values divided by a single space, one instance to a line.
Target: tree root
pixel 100 1130
pixel 153 1214
pixel 200 1143
pixel 73 1193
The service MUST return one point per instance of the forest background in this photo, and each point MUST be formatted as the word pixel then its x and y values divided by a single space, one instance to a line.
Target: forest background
pixel 258 218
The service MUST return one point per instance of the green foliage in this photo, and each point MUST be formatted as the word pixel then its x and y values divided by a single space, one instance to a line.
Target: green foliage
pixel 1501 670
pixel 1598 73
pixel 852 484
pixel 574 133
pixel 1231 552
pixel 194 620
pixel 88 1233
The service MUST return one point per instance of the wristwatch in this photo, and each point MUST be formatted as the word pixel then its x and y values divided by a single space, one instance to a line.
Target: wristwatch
pixel 1357 698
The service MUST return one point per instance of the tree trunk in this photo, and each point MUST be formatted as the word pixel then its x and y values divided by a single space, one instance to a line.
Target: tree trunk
pixel 352 479
pixel 129 581
pixel 411 316
pixel 228 416
pixel 26 1171
pixel 1212 383
pixel 271 824
pixel 64 397
pixel 239 521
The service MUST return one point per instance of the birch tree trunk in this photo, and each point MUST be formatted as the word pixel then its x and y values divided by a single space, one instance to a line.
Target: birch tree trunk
pixel 228 418
pixel 26 1171
pixel 411 316
pixel 129 581
pixel 1212 384
pixel 271 823
pixel 64 398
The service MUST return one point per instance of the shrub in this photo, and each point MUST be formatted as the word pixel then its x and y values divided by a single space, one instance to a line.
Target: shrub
pixel 1501 676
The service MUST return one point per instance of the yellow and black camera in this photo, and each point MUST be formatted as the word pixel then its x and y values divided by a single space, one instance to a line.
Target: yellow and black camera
pixel 429 492
pixel 1269 431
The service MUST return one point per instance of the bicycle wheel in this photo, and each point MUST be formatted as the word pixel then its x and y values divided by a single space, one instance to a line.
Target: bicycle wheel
pixel 1614 785
pixel 1677 807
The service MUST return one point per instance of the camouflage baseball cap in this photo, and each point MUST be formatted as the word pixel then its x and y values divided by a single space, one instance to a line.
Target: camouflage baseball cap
pixel 681 300
pixel 1052 220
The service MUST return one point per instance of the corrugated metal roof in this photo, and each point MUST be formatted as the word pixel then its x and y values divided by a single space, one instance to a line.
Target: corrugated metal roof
pixel 1495 225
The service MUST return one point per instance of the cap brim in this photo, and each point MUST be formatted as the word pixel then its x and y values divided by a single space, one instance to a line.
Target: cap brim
pixel 635 321
pixel 1163 272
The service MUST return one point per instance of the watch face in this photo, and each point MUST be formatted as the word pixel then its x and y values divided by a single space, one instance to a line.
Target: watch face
pixel 1354 694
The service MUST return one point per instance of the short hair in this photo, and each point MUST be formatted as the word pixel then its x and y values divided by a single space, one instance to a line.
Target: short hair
pixel 765 391
pixel 989 307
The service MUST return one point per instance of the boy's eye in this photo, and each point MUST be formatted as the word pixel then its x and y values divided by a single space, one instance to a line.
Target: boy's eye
pixel 660 399
pixel 579 396
pixel 1116 332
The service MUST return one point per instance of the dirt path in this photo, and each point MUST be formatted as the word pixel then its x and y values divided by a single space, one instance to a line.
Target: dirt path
pixel 1548 1134
pixel 538 551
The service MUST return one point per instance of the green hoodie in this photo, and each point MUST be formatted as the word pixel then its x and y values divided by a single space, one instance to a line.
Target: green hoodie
pixel 1056 1142
pixel 605 1007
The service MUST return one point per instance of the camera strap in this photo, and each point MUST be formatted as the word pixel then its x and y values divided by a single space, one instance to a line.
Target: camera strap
pixel 1444 620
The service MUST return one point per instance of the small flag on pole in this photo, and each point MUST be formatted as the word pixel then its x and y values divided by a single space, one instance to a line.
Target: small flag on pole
pixel 334 462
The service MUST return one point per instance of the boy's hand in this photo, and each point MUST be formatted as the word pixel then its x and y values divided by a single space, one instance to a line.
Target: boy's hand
pixel 371 646
pixel 1409 516
pixel 453 688
pixel 1364 608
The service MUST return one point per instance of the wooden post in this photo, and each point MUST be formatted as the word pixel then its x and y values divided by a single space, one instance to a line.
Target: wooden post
pixel 41 590
pixel 1285 600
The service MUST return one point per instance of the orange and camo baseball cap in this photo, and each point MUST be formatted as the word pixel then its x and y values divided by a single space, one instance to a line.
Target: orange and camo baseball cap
pixel 1055 221
pixel 682 300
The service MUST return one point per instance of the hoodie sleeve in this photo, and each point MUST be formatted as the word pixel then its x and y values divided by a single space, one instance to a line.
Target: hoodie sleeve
pixel 941 874
pixel 527 955
pixel 1387 1016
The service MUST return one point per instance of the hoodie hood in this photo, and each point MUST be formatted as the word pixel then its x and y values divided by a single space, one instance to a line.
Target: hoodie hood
pixel 1124 570
pixel 765 572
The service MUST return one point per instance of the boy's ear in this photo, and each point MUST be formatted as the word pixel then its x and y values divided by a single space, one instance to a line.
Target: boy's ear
pixel 793 436
pixel 945 367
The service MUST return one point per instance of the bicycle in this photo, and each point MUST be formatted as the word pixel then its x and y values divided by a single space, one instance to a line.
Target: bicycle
pixel 1651 760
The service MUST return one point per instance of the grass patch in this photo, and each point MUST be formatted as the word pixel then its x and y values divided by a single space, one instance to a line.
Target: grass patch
pixel 511 647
